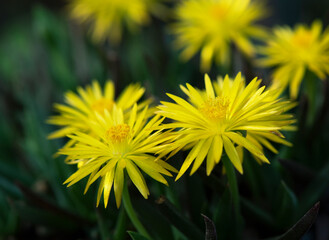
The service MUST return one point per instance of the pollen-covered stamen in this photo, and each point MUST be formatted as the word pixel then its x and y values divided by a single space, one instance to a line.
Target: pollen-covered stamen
pixel 101 104
pixel 303 39
pixel 215 108
pixel 118 133
pixel 219 12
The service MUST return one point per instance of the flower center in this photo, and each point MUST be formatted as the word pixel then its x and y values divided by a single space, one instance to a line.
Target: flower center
pixel 215 109
pixel 219 11
pixel 118 133
pixel 101 104
pixel 303 39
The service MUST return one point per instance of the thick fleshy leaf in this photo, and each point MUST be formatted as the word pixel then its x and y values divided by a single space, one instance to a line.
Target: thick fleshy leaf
pixel 302 226
pixel 210 228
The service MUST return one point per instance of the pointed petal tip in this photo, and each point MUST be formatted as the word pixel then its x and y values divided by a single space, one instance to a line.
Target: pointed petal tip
pixel 240 170
pixel 118 204
pixel 266 161
pixel 178 177
pixel 206 77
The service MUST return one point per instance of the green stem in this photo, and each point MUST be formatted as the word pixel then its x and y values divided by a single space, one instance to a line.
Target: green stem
pixel 103 229
pixel 233 185
pixel 120 228
pixel 311 94
pixel 131 212
pixel 230 172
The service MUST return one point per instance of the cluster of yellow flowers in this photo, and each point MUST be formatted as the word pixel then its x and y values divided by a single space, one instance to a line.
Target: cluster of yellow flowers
pixel 108 136
pixel 212 27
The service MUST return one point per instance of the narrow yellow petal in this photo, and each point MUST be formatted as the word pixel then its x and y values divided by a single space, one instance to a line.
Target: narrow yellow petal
pixel 100 191
pixel 118 184
pixel 190 157
pixel 201 155
pixel 83 172
pixel 209 88
pixel 137 178
pixel 232 153
pixel 217 148
pixel 109 90
pixel 108 182
pixel 295 82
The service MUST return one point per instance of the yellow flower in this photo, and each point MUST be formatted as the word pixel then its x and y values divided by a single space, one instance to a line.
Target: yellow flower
pixel 81 108
pixel 212 25
pixel 118 145
pixel 108 17
pixel 220 119
pixel 293 51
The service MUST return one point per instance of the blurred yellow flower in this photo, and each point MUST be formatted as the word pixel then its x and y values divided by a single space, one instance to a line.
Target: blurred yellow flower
pixel 293 51
pixel 109 17
pixel 118 144
pixel 221 119
pixel 81 108
pixel 212 25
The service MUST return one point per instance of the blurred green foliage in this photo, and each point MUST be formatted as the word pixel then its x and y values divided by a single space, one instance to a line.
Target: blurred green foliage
pixel 44 54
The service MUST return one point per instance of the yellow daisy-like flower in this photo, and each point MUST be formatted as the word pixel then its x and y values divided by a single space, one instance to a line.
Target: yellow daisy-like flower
pixel 220 119
pixel 108 17
pixel 82 108
pixel 292 51
pixel 119 145
pixel 212 25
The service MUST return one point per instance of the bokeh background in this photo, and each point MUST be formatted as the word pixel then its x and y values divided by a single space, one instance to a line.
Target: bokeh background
pixel 44 53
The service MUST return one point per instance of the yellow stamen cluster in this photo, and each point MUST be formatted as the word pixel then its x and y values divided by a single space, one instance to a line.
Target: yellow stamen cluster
pixel 101 104
pixel 219 12
pixel 215 108
pixel 118 133
pixel 303 39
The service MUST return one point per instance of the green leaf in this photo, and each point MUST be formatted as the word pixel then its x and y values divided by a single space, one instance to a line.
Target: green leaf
pixel 287 203
pixel 196 195
pixel 10 188
pixel 136 236
pixel 256 212
pixel 179 221
pixel 149 214
pixel 224 217
pixel 131 211
pixel 314 190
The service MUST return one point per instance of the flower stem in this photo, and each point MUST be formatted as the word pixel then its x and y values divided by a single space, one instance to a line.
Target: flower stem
pixel 311 92
pixel 120 228
pixel 131 212
pixel 230 172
